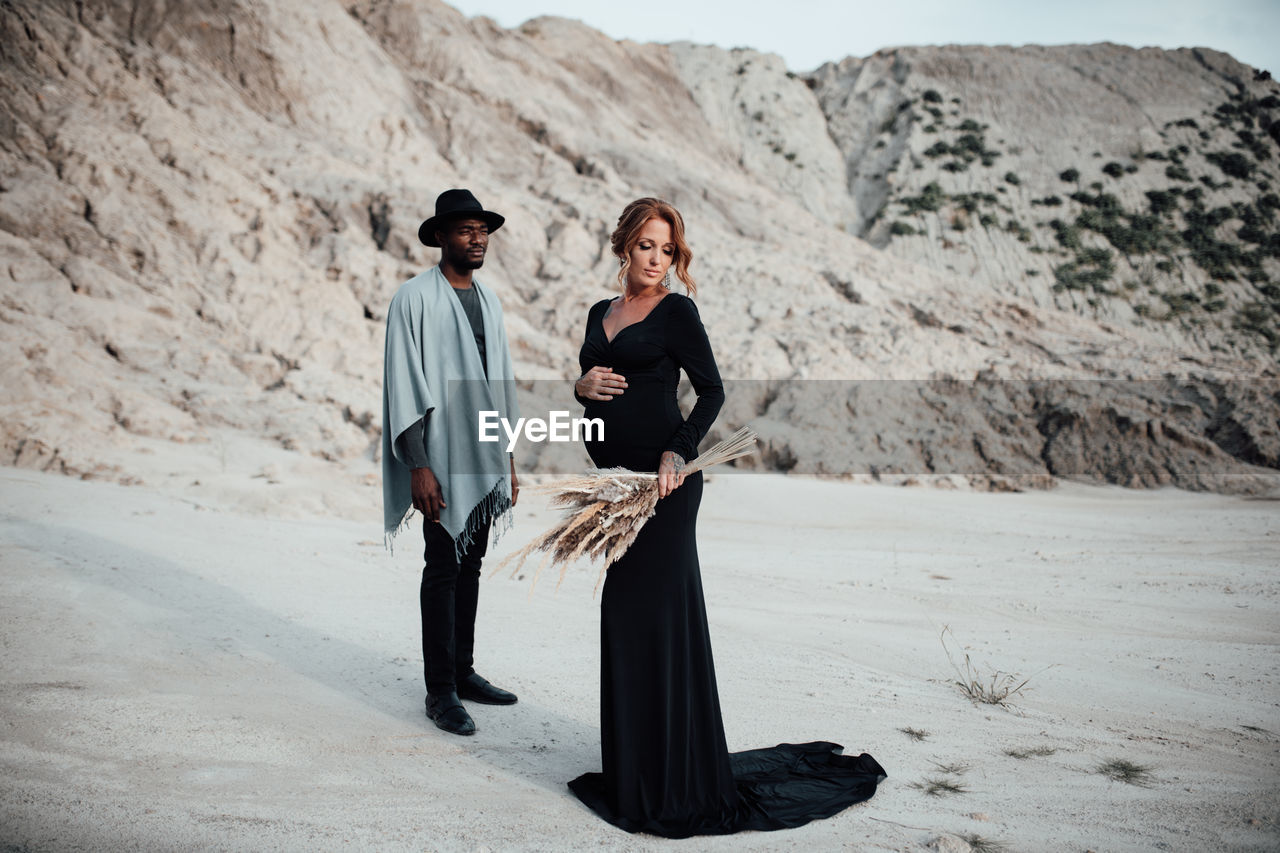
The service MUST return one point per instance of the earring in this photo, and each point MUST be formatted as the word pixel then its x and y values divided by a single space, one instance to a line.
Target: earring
pixel 666 279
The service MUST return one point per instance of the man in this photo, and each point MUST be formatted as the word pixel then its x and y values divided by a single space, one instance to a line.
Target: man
pixel 446 360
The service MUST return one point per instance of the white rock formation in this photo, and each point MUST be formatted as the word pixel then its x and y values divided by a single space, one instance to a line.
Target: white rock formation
pixel 1125 120
pixel 205 210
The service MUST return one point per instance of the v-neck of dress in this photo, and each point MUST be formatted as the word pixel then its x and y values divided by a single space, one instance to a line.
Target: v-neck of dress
pixel 610 340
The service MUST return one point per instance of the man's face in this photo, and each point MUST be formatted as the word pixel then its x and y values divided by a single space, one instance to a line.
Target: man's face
pixel 463 242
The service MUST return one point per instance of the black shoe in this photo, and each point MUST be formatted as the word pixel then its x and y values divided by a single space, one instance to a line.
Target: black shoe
pixel 447 713
pixel 476 689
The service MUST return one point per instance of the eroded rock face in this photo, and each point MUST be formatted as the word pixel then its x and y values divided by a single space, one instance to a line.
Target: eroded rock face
pixel 771 124
pixel 205 208
pixel 1136 186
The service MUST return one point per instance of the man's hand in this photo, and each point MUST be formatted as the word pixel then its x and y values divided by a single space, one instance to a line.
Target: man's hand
pixel 515 483
pixel 428 499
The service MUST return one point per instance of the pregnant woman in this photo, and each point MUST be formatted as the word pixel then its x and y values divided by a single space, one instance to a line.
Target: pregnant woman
pixel 666 768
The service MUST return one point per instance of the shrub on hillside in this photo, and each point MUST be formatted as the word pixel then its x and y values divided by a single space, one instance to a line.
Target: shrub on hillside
pixel 1232 163
pixel 1180 303
pixel 930 199
pixel 1068 236
pixel 1259 318
pixel 1216 257
pixel 969 146
pixel 1091 270
pixel 1162 201
pixel 1013 226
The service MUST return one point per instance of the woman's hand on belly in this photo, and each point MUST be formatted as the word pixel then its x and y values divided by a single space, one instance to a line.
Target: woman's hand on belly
pixel 670 473
pixel 600 383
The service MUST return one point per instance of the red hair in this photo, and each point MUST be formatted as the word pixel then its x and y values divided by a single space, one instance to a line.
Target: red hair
pixel 627 234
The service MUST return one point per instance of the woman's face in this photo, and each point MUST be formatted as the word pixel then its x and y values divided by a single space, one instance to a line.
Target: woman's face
pixel 652 254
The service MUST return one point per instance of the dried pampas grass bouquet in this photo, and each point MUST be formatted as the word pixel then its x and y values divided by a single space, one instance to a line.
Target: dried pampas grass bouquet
pixel 605 509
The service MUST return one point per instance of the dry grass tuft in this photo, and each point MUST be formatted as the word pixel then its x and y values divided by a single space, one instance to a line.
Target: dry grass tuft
pixel 981 844
pixel 1030 752
pixel 994 689
pixel 1123 770
pixel 936 787
pixel 914 734
pixel 605 509
pixel 955 768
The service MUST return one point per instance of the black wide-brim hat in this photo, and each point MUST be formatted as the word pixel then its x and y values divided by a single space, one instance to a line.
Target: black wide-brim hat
pixel 457 204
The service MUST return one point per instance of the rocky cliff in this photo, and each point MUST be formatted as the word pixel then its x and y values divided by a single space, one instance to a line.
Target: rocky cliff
pixel 1138 186
pixel 206 206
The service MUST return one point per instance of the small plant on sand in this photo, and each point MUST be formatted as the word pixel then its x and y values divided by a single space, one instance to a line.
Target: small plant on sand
pixel 1030 752
pixel 1123 770
pixel 981 844
pixel 994 689
pixel 940 787
pixel 914 734
pixel 955 768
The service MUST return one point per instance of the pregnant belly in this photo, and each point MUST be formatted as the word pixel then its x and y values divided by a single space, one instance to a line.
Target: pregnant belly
pixel 637 425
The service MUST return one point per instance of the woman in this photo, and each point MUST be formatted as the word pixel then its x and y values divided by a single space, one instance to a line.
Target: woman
pixel 666 769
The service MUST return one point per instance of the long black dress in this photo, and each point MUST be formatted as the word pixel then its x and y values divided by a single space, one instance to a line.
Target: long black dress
pixel 666 768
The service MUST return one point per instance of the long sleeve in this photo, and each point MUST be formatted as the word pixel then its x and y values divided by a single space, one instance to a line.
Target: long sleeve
pixel 412 444
pixel 689 347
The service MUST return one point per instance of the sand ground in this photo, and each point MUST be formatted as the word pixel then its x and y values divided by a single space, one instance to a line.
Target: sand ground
pixel 178 675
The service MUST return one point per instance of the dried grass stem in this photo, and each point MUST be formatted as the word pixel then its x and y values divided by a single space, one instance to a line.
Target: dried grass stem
pixel 605 509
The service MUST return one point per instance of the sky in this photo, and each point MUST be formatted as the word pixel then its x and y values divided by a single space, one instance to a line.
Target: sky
pixel 807 33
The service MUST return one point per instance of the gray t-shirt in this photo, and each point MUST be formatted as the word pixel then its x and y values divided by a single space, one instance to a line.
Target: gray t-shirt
pixel 470 299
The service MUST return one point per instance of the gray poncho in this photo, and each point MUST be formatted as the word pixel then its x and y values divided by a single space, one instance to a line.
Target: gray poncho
pixel 432 365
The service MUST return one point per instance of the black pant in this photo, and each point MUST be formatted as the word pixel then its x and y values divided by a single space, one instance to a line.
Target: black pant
pixel 448 596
